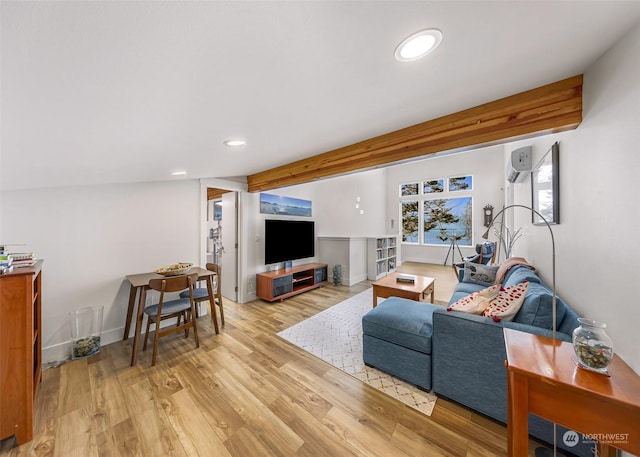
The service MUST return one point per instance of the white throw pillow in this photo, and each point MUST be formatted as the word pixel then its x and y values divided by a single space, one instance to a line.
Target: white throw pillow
pixel 477 301
pixel 508 302
pixel 477 273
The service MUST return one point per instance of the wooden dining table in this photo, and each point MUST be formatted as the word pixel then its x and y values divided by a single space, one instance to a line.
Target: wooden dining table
pixel 139 286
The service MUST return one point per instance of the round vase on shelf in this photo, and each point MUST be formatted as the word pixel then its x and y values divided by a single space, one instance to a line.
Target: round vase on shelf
pixel 592 345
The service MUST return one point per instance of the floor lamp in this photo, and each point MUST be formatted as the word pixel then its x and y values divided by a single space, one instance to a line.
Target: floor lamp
pixel 540 452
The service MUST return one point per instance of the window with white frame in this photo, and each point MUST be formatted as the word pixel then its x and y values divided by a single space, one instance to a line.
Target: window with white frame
pixel 437 211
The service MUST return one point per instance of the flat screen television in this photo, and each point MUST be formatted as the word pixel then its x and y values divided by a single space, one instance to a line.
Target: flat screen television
pixel 288 240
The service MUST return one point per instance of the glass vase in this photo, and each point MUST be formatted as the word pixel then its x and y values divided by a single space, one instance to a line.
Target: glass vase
pixel 592 345
pixel 86 328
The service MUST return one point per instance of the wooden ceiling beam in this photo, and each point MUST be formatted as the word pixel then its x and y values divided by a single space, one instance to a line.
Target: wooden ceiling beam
pixel 215 194
pixel 548 109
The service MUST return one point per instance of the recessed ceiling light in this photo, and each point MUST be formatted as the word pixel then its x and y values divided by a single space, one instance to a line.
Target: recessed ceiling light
pixel 418 45
pixel 235 143
pixel 179 173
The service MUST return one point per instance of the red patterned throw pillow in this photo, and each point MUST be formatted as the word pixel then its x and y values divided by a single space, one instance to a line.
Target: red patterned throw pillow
pixel 508 302
pixel 477 301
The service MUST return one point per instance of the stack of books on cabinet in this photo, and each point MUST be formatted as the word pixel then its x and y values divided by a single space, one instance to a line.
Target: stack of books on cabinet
pixel 10 260
pixel 382 256
pixel 23 259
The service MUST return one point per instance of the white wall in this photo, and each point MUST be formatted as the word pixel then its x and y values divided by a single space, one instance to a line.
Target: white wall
pixel 92 237
pixel 1 136
pixel 333 210
pixel 348 252
pixel 335 202
pixel 597 238
pixel 488 170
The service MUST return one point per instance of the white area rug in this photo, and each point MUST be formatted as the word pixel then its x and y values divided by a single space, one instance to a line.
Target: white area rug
pixel 335 336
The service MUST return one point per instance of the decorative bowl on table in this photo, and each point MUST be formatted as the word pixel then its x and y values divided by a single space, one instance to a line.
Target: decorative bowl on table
pixel 174 269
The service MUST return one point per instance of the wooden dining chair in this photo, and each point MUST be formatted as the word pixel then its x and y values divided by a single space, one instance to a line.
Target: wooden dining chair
pixel 201 294
pixel 183 309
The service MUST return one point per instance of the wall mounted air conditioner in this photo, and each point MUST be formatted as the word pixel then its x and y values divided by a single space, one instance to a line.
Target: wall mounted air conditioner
pixel 519 164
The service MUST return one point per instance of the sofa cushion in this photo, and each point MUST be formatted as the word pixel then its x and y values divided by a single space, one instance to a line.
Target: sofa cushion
pixel 477 273
pixel 466 288
pixel 520 273
pixel 508 302
pixel 403 322
pixel 569 321
pixel 537 310
pixel 476 302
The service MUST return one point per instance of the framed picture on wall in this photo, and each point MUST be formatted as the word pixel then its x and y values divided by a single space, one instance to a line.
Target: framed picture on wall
pixel 284 206
pixel 545 187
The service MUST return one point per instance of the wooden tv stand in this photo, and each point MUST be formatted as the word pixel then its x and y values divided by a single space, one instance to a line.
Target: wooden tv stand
pixel 285 283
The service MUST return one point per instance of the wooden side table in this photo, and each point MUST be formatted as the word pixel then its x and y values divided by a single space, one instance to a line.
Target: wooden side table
pixel 543 379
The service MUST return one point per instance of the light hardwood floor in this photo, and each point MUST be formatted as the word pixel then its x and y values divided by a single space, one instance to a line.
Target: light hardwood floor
pixel 244 392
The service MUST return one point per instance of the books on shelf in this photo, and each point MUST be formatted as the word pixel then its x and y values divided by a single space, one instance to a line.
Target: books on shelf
pixel 409 279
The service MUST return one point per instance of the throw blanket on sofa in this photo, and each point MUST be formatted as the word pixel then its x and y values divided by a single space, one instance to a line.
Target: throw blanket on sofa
pixel 508 264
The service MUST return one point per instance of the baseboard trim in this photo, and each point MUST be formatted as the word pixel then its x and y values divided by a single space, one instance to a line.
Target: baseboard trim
pixel 56 354
pixel 423 260
pixel 355 279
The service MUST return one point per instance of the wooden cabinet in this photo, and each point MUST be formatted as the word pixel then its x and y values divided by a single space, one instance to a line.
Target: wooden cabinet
pixel 20 350
pixel 281 284
pixel 382 256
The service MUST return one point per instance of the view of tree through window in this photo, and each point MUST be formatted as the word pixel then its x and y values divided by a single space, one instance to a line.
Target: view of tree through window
pixel 448 218
pixel 460 183
pixel 409 189
pixel 434 186
pixel 410 221
pixel 438 221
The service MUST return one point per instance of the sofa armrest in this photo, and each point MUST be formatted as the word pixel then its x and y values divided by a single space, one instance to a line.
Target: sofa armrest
pixel 468 362
pixel 537 330
pixel 468 356
pixel 468 359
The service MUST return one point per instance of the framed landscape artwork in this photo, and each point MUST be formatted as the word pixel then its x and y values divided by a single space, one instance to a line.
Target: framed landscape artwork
pixel 284 206
pixel 545 187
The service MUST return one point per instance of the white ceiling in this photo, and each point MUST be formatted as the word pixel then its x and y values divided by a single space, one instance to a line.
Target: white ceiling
pixel 106 91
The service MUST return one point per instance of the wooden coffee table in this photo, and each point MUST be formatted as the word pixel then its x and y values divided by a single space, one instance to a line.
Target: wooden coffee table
pixel 390 287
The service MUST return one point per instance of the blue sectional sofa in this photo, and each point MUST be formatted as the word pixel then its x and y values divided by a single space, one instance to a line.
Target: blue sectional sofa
pixel 461 356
